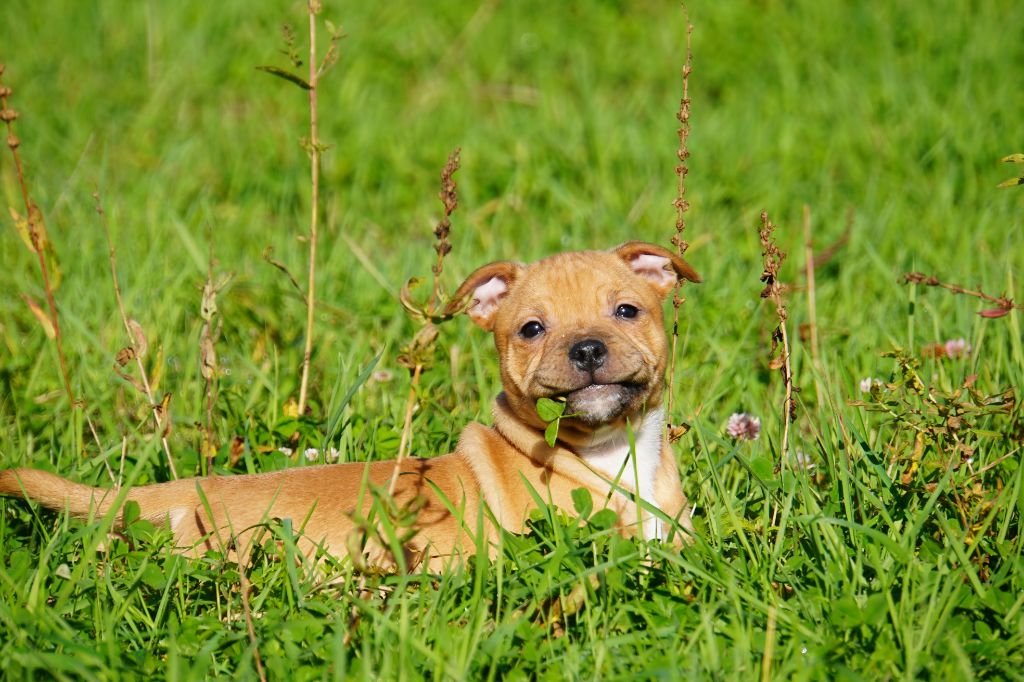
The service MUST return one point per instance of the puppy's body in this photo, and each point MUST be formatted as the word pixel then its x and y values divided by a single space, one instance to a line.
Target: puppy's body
pixel 584 327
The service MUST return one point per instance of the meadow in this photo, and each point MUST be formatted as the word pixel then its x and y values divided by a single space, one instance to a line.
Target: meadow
pixel 883 543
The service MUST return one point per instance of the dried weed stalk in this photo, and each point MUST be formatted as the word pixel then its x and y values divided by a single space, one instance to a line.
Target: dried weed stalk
pixel 779 354
pixel 208 366
pixel 1004 304
pixel 315 148
pixel 681 206
pixel 418 354
pixel 32 229
pixel 136 350
pixel 314 211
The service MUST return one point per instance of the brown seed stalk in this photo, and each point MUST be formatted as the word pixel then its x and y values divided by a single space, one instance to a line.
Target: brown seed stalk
pixel 773 258
pixel 1004 304
pixel 451 201
pixel 136 343
pixel 681 205
pixel 37 233
pixel 417 354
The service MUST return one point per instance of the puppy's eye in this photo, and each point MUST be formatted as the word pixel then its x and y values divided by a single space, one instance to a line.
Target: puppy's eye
pixel 627 311
pixel 531 329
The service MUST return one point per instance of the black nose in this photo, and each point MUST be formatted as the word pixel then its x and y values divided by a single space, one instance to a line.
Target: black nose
pixel 588 355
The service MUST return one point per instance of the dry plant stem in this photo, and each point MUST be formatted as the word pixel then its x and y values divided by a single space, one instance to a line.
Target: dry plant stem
pixel 403 444
pixel 99 448
pixel 681 205
pixel 247 611
pixel 9 115
pixel 773 258
pixel 450 200
pixel 153 405
pixel 208 444
pixel 787 374
pixel 314 165
pixel 921 278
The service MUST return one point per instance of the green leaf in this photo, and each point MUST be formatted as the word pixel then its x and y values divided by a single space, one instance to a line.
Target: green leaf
pixel 287 75
pixel 153 577
pixel 875 609
pixel 1013 158
pixel 1012 182
pixel 550 410
pixel 846 613
pixel 604 519
pixel 551 433
pixel 130 512
pixel 583 502
pixel 762 468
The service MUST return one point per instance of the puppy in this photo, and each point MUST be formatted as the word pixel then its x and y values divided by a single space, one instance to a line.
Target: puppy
pixel 584 327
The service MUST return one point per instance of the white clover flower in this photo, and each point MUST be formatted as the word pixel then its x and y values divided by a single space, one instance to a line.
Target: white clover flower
pixel 311 454
pixel 743 426
pixel 332 455
pixel 287 452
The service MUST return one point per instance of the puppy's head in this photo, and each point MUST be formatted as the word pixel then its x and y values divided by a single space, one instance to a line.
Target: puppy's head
pixel 585 326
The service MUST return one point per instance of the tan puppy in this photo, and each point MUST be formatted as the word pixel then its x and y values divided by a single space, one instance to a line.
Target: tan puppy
pixel 583 326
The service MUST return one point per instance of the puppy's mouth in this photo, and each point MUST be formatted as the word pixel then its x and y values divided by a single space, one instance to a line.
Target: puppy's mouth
pixel 596 404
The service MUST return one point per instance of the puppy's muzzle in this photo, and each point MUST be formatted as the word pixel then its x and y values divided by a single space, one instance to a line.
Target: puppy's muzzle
pixel 588 355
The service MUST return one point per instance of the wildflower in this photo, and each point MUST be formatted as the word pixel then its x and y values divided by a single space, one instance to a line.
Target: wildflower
pixel 332 455
pixel 287 452
pixel 311 454
pixel 743 426
pixel 957 348
pixel 382 376
pixel 867 382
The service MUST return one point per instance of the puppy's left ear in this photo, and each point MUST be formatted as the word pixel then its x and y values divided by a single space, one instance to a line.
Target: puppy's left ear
pixel 658 265
pixel 485 288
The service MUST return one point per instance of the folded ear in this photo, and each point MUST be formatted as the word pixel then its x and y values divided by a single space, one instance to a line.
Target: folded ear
pixel 658 265
pixel 484 289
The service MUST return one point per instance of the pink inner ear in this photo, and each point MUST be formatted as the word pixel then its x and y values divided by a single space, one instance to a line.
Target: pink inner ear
pixel 653 268
pixel 486 297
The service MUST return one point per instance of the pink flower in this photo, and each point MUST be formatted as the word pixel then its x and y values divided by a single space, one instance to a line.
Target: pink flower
pixel 743 426
pixel 957 348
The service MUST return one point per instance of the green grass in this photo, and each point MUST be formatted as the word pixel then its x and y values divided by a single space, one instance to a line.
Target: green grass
pixel 565 114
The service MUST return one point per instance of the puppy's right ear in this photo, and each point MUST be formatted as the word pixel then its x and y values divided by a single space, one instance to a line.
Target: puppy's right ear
pixel 484 290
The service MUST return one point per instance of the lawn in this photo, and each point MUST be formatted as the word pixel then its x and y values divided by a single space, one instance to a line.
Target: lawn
pixel 885 542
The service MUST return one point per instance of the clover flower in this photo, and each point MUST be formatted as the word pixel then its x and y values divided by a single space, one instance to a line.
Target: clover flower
pixel 957 348
pixel 743 426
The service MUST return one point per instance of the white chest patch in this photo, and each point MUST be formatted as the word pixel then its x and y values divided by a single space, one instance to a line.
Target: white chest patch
pixel 613 458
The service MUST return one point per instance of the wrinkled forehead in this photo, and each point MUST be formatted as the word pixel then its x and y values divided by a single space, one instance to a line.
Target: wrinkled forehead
pixel 576 283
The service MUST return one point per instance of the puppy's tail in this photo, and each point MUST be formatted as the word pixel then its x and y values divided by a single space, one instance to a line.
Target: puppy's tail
pixel 55 492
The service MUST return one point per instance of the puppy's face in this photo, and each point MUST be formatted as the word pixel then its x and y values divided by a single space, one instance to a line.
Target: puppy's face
pixel 584 326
